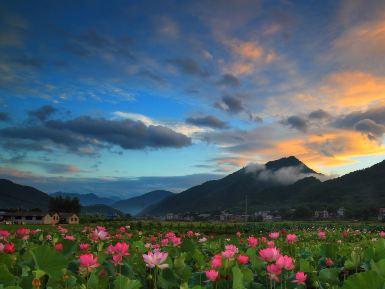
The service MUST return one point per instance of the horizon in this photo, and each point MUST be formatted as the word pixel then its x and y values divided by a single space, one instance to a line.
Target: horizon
pixel 120 99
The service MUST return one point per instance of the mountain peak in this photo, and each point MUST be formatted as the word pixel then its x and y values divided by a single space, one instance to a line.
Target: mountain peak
pixel 290 161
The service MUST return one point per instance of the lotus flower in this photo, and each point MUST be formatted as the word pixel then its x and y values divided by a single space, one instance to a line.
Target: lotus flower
pixel 155 259
pixel 243 259
pixel 88 262
pixel 269 254
pixel 300 278
pixel 274 271
pixel 212 275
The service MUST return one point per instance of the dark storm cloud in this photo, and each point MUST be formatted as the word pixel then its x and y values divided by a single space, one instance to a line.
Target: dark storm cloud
pixel 207 121
pixel 370 122
pixel 127 134
pixel 86 134
pixel 319 114
pixel 42 113
pixel 189 66
pixel 296 122
pixel 372 129
pixel 229 80
pixel 4 116
pixel 230 103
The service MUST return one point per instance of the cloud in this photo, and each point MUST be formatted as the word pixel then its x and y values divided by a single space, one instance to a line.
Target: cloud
pixel 319 114
pixel 168 27
pixel 207 121
pixel 42 113
pixel 189 66
pixel 229 80
pixel 362 45
pixel 92 42
pixel 53 168
pixel 230 103
pixel 86 134
pixel 370 122
pixel 296 122
pixel 127 134
pixel 4 116
pixel 353 89
pixel 372 129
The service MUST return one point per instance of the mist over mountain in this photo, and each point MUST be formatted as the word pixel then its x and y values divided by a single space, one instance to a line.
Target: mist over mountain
pixel 282 184
pixel 232 189
pixel 88 199
pixel 136 204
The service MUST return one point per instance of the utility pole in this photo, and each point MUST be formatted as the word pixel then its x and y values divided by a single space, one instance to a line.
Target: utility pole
pixel 246 208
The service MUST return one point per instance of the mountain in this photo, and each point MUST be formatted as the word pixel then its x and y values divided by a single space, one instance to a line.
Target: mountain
pixel 87 199
pixel 100 210
pixel 231 190
pixel 18 196
pixel 136 204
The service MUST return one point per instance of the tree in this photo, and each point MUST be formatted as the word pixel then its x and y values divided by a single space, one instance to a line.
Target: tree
pixel 65 205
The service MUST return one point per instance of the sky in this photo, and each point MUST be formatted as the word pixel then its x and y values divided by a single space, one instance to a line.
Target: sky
pixel 123 97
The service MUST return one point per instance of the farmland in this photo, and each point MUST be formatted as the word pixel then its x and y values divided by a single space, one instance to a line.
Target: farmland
pixel 136 255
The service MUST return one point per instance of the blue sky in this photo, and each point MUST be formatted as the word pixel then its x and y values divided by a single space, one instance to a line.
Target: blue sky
pixel 120 97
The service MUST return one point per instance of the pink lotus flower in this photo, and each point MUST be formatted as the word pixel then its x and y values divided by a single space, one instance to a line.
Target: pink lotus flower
pixel 176 241
pixel 122 229
pixel 243 259
pixel 9 248
pixel 84 246
pixel 321 235
pixel 285 262
pixel 59 247
pixel 62 230
pixel 291 238
pixel 69 237
pixel 117 260
pixel 4 234
pixel 190 233
pixel 270 244
pixel 212 275
pixel 300 278
pixel 382 234
pixel 329 262
pixel 253 242
pixel 120 248
pixel 269 254
pixel 231 248
pixel 99 233
pixel 216 261
pixel 239 234
pixel 164 242
pixel 155 259
pixel 274 235
pixel 22 233
pixel 274 271
pixel 170 235
pixel 88 262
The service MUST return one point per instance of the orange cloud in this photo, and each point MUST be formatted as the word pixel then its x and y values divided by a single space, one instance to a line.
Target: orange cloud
pixel 354 89
pixel 248 50
pixel 332 149
pixel 362 46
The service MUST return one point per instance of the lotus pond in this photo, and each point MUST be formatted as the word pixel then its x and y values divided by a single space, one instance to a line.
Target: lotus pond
pixel 123 256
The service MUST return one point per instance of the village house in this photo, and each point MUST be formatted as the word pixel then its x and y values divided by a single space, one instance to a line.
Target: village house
pixel 324 214
pixel 38 218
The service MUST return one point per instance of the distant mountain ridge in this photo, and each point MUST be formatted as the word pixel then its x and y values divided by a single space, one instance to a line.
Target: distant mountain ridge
pixel 360 189
pixel 136 204
pixel 231 190
pixel 87 199
pixel 13 195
